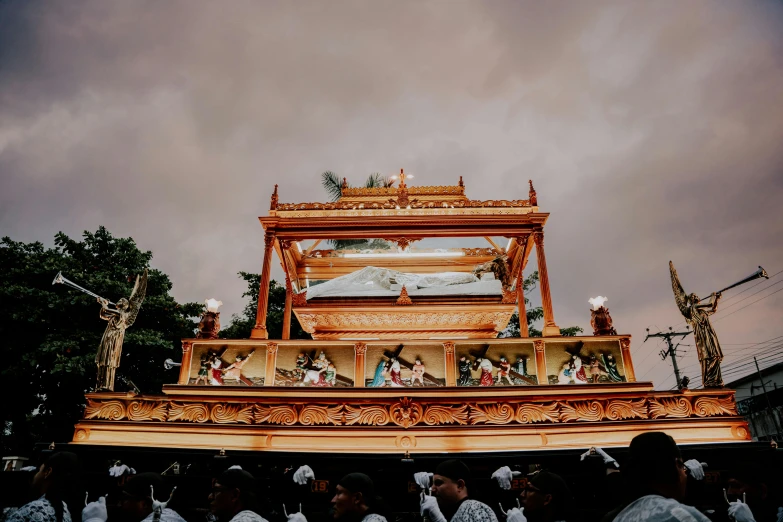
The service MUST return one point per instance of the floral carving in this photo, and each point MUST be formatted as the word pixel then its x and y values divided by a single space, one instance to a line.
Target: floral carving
pixel 271 348
pixel 414 204
pixel 366 415
pixel 538 344
pixel 405 413
pixel 712 406
pixel 619 409
pixel 285 415
pixel 404 299
pixel 581 411
pixel 678 407
pixel 448 346
pixel 299 298
pixel 109 410
pixel 360 348
pixel 509 297
pixel 530 413
pixel 436 415
pixel 502 413
pixel 188 412
pixel 231 413
pixel 147 410
pixel 311 415
pixel 483 252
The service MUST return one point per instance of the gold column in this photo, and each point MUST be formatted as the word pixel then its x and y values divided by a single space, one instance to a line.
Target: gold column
pixel 451 364
pixel 287 312
pixel 523 330
pixel 259 331
pixel 187 357
pixel 625 351
pixel 358 370
pixel 541 373
pixel 550 328
pixel 271 364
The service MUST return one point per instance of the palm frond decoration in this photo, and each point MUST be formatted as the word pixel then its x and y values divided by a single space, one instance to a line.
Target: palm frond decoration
pixel 332 184
pixel 378 180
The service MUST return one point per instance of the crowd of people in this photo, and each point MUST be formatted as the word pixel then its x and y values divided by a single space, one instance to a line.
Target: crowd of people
pixel 653 484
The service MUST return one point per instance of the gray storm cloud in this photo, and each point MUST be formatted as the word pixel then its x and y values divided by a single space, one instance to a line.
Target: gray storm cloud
pixel 652 132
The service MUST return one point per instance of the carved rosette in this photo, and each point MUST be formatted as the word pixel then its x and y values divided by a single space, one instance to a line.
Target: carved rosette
pixel 405 413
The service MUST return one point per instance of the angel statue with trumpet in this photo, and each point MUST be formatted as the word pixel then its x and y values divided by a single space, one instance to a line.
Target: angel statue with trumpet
pixel 697 315
pixel 108 357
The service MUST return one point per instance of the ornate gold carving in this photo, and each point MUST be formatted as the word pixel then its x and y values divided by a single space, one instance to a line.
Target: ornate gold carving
pixel 109 410
pixel 275 200
pixel 509 297
pixel 676 407
pixel 502 413
pixel 271 348
pixel 232 413
pixel 530 413
pixel 713 406
pixel 360 348
pixel 299 299
pixel 414 204
pixel 269 240
pixel 447 190
pixel 365 319
pixel 405 413
pixel 448 346
pixel 286 244
pixel 438 415
pixel 187 346
pixel 619 409
pixel 581 411
pixel 81 434
pixel 311 415
pixel 625 343
pixel 147 410
pixel 188 412
pixel 285 415
pixel 532 194
pixel 538 237
pixel 483 252
pixel 366 415
pixel 404 242
pixel 404 299
pixel 538 344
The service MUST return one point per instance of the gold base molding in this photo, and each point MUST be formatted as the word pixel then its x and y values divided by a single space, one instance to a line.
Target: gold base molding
pixel 421 421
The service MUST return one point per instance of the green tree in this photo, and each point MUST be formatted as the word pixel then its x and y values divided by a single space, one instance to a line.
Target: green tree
pixel 241 324
pixel 533 315
pixel 51 333
pixel 334 187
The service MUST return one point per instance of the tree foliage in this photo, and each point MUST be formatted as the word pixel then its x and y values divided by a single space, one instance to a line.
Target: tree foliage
pixel 51 333
pixel 533 315
pixel 241 324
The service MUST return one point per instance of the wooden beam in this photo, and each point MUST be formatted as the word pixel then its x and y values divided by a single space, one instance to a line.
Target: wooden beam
pixel 310 249
pixel 493 244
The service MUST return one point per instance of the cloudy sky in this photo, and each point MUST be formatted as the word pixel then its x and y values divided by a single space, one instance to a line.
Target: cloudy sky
pixel 653 131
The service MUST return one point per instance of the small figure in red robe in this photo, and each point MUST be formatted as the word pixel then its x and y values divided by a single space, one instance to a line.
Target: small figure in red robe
pixel 503 371
pixel 394 374
pixel 486 372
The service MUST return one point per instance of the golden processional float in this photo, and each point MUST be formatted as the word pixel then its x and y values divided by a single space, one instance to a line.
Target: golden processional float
pixel 405 356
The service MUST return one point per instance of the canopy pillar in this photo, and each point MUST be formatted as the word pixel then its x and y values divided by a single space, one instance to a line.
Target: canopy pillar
pixel 259 331
pixel 550 328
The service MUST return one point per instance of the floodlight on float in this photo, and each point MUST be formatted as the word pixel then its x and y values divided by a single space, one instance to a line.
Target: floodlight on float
pixel 597 302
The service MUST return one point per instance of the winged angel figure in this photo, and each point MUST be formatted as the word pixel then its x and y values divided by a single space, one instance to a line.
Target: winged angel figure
pixel 698 317
pixel 108 357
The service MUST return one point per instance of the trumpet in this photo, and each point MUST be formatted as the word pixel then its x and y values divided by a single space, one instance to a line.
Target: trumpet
pixel 60 279
pixel 755 275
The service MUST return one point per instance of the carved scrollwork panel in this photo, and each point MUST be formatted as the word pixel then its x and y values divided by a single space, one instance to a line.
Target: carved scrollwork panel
pixel 714 406
pixel 502 413
pixel 232 413
pixel 675 407
pixel 147 410
pixel 581 411
pixel 366 415
pixel 188 412
pixel 530 413
pixel 284 415
pixel 312 415
pixel 109 410
pixel 619 409
pixel 437 415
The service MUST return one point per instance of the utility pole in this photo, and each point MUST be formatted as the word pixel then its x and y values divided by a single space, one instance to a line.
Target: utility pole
pixel 769 404
pixel 672 351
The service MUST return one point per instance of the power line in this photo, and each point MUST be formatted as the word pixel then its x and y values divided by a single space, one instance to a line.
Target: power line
pixel 749 304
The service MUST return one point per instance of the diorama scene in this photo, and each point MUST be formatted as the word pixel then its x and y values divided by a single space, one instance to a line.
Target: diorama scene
pixel 584 363
pixel 306 366
pixel 401 367
pixel 227 365
pixel 496 364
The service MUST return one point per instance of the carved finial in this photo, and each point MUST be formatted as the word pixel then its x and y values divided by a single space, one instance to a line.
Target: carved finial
pixel 461 184
pixel 345 184
pixel 532 195
pixel 402 178
pixel 273 205
pixel 404 299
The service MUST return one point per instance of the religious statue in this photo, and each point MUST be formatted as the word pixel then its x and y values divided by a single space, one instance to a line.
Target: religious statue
pixel 697 315
pixel 486 372
pixel 465 378
pixel 315 375
pixel 503 371
pixel 521 365
pixel 595 369
pixel 564 377
pixel 611 368
pixel 379 379
pixel 301 366
pixel 394 374
pixel 330 375
pixel 234 371
pixel 578 374
pixel 108 357
pixel 203 371
pixel 417 372
pixel 216 375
